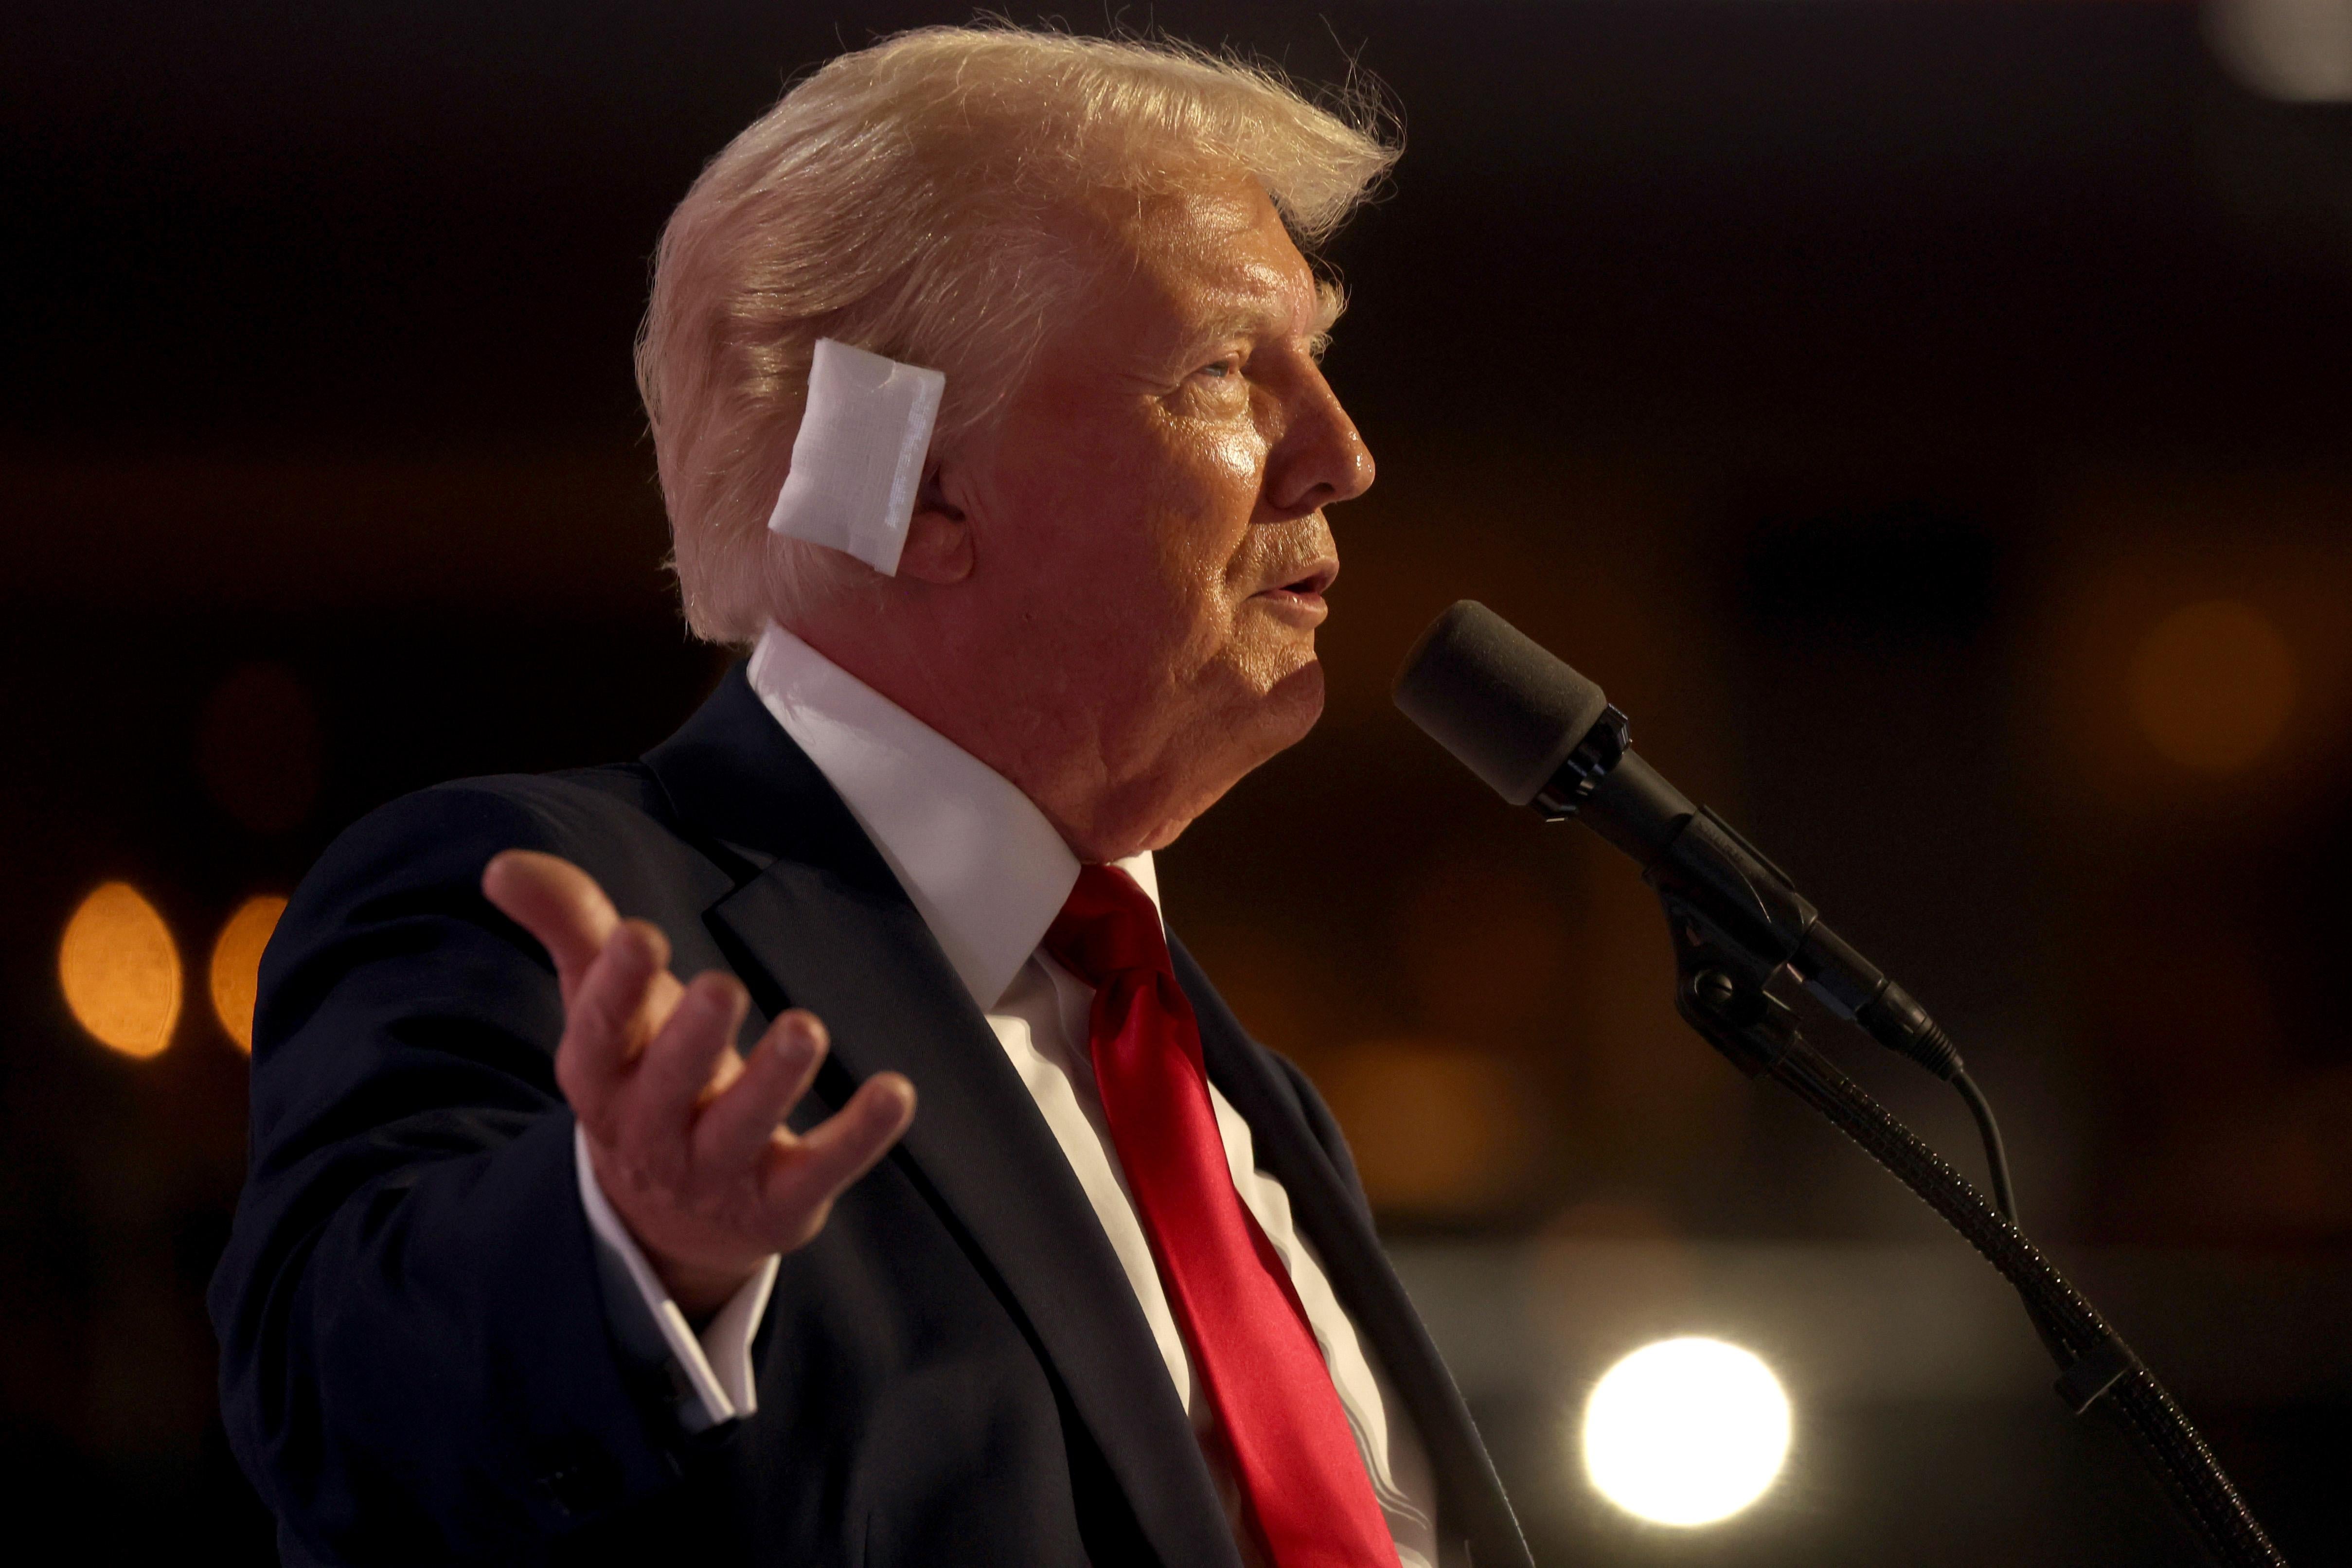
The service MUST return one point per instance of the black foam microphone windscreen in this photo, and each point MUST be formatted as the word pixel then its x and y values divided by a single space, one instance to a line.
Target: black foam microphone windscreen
pixel 1507 710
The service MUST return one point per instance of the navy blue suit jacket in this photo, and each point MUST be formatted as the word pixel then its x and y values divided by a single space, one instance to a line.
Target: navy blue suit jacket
pixel 417 1365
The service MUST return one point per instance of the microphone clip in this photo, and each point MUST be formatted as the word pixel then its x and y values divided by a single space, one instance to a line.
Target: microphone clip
pixel 1573 781
pixel 1723 994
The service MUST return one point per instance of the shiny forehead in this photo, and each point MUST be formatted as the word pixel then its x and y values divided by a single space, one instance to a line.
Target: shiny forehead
pixel 1215 260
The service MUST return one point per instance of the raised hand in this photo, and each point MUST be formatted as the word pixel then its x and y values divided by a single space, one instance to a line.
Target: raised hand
pixel 686 1138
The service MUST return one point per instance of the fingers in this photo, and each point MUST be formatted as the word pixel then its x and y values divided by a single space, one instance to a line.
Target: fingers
pixel 657 1109
pixel 804 1179
pixel 648 1065
pixel 692 1151
pixel 626 995
pixel 737 1128
pixel 557 902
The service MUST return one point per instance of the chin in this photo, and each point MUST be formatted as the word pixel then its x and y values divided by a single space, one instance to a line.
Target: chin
pixel 1227 740
pixel 1294 705
pixel 1271 723
pixel 1274 720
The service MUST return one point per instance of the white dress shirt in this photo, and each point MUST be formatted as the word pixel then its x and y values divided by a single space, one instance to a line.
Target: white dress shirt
pixel 988 873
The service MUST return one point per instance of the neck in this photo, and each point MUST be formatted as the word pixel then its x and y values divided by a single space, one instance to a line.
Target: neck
pixel 1109 790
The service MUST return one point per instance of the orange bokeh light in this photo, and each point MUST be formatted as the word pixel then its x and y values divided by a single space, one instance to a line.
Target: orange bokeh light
pixel 235 967
pixel 120 971
pixel 2212 685
pixel 1437 1127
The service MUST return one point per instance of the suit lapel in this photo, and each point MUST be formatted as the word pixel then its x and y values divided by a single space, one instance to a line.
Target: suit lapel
pixel 1471 1496
pixel 826 926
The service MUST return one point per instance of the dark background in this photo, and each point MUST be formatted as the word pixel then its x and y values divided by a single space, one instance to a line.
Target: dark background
pixel 1855 389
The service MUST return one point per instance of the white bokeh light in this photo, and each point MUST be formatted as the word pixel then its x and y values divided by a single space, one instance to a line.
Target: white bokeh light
pixel 1685 1431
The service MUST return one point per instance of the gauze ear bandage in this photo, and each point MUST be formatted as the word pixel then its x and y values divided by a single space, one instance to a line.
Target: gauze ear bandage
pixel 858 458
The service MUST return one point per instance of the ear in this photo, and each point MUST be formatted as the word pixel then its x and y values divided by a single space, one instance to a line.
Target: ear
pixel 939 536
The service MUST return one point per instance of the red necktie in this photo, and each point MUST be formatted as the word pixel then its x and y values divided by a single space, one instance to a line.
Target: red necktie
pixel 1294 1454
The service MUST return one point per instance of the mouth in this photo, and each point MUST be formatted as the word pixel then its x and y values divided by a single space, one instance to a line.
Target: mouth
pixel 1300 599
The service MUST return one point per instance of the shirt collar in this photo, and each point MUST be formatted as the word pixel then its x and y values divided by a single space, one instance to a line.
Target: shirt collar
pixel 985 870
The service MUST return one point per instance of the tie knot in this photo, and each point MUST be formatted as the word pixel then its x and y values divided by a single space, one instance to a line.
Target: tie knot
pixel 1108 925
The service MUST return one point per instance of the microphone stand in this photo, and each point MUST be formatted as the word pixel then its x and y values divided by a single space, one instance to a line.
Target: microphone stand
pixel 1724 995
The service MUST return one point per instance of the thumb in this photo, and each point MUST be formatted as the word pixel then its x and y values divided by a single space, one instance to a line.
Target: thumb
pixel 557 902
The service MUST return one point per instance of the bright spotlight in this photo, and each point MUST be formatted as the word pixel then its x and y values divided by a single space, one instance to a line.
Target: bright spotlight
pixel 1685 1431
pixel 2299 51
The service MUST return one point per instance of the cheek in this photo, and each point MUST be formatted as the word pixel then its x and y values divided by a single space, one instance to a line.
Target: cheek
pixel 1098 576
pixel 1232 459
pixel 1068 523
pixel 1133 540
pixel 1208 493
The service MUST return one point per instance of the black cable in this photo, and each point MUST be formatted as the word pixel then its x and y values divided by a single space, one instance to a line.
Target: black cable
pixel 2004 1197
pixel 1724 996
pixel 2096 1366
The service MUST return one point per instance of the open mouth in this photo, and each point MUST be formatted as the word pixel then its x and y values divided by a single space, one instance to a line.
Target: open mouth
pixel 1307 588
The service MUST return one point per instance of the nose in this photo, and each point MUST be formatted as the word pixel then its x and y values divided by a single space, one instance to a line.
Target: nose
pixel 1320 459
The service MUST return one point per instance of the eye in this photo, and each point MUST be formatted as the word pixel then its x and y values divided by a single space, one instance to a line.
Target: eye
pixel 1219 370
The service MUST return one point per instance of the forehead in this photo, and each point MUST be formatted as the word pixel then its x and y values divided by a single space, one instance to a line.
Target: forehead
pixel 1215 254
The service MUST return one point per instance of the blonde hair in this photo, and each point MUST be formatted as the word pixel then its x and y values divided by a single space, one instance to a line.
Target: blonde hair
pixel 902 199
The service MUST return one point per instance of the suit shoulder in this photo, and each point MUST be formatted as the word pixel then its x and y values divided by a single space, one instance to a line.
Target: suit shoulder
pixel 610 821
pixel 553 812
pixel 408 875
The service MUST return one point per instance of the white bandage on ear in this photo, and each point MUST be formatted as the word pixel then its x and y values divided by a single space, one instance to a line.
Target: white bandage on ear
pixel 858 459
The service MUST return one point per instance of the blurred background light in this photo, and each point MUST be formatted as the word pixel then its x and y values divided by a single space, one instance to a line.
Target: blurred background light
pixel 2212 685
pixel 235 967
pixel 1685 1432
pixel 1437 1128
pixel 121 971
pixel 2299 51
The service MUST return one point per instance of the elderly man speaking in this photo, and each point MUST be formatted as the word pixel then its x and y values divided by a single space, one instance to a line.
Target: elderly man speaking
pixel 982 373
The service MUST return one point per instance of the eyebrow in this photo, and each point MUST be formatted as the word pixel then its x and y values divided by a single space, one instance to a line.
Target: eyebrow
pixel 1331 304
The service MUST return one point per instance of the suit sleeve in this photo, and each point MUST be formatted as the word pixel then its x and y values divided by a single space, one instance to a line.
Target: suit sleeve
pixel 416 1363
pixel 714 1374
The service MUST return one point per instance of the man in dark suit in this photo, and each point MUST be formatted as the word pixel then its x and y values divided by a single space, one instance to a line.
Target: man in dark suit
pixel 547 1254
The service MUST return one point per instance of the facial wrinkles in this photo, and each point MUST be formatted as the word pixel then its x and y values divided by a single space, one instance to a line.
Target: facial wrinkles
pixel 1211 537
pixel 1196 504
pixel 1134 523
pixel 1261 652
pixel 1185 500
pixel 1207 442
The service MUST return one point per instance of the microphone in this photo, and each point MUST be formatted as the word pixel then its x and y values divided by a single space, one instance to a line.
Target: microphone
pixel 1543 735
